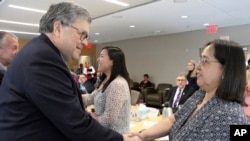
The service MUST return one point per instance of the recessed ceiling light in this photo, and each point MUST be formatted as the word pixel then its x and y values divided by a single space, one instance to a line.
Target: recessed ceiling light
pixel 97 33
pixel 132 26
pixel 95 41
pixel 184 17
pixel 28 9
pixel 20 32
pixel 206 24
pixel 117 2
pixel 21 23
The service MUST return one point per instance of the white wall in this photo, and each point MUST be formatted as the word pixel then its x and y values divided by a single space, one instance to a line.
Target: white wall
pixel 163 57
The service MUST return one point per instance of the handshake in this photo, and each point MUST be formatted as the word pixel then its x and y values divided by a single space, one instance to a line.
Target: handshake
pixel 133 137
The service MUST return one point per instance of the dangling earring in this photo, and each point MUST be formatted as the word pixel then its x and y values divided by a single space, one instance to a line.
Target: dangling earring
pixel 222 77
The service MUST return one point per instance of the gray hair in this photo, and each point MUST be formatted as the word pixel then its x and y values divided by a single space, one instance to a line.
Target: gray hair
pixel 3 35
pixel 182 75
pixel 65 12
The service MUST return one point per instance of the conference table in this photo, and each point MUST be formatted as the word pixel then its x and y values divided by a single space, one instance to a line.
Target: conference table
pixel 137 125
pixel 152 118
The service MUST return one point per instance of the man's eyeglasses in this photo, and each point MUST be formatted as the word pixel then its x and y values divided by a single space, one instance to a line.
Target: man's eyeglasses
pixel 204 61
pixel 83 35
pixel 181 80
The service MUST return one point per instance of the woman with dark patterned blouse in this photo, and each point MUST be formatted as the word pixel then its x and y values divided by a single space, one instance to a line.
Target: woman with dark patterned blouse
pixel 209 112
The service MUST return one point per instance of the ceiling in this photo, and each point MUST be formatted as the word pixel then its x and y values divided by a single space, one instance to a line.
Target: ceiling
pixel 150 17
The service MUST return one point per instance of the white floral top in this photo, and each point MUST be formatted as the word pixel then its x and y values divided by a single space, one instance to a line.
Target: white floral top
pixel 113 105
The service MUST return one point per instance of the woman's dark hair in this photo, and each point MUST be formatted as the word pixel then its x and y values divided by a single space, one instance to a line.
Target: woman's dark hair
pixel 119 65
pixel 231 56
pixel 146 75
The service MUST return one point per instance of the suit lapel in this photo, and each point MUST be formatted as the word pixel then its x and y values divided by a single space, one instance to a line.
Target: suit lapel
pixel 184 94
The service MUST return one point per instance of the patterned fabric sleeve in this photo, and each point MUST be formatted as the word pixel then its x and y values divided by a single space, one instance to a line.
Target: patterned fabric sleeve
pixel 115 97
pixel 217 125
pixel 211 123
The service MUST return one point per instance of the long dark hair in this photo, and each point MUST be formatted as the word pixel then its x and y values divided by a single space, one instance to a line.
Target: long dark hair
pixel 119 65
pixel 231 57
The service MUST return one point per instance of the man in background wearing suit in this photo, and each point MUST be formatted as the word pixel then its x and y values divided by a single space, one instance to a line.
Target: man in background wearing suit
pixel 39 100
pixel 85 85
pixel 180 93
pixel 8 50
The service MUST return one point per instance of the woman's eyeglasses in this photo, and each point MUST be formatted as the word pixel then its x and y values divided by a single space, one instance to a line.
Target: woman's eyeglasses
pixel 204 61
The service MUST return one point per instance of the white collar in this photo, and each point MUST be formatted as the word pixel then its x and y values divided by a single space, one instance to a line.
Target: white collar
pixel 2 67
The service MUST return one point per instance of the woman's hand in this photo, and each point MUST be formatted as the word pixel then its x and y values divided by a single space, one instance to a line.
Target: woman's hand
pixel 130 137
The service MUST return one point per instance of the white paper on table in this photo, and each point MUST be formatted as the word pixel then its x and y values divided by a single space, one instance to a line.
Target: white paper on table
pixel 165 138
pixel 132 125
pixel 153 112
pixel 148 123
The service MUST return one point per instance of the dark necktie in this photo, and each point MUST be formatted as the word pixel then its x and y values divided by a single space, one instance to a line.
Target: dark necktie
pixel 178 98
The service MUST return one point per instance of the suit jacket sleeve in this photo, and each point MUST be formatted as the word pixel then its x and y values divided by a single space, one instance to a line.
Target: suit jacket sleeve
pixel 1 78
pixel 187 92
pixel 170 96
pixel 89 86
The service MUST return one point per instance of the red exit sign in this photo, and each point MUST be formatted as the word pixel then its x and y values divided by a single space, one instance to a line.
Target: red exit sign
pixel 212 29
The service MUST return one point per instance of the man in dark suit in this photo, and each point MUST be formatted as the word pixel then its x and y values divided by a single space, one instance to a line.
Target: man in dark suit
pixel 39 100
pixel 85 85
pixel 8 49
pixel 180 93
pixel 80 69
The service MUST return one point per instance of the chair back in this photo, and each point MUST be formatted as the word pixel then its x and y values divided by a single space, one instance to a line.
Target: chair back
pixel 163 86
pixel 152 85
pixel 135 85
pixel 134 97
